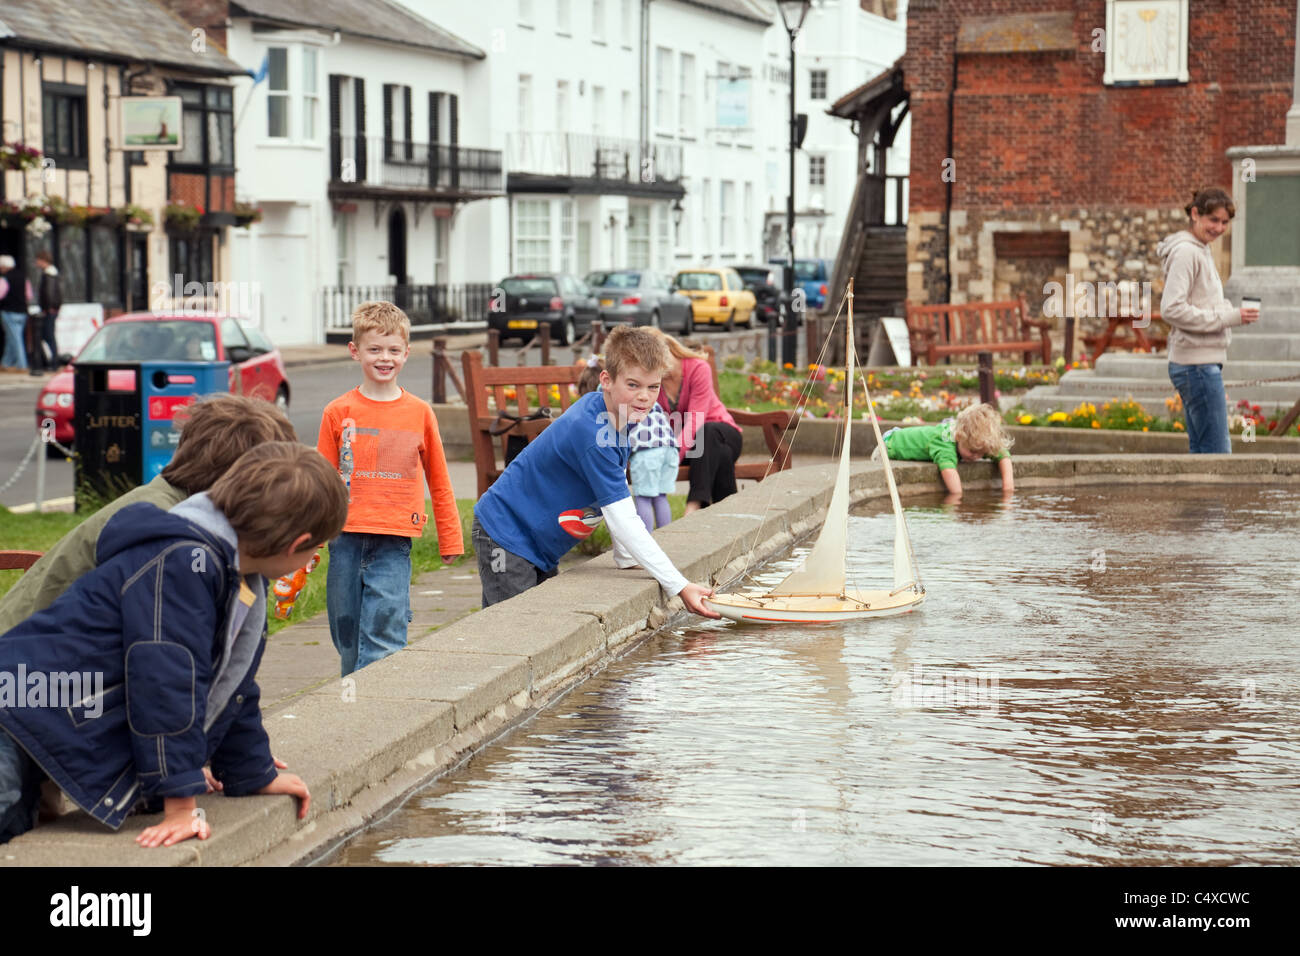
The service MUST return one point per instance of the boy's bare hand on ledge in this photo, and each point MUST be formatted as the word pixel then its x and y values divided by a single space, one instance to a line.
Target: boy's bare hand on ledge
pixel 693 597
pixel 291 784
pixel 450 558
pixel 180 822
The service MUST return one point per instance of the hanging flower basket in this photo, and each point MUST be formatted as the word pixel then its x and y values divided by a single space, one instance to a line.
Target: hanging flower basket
pixel 246 214
pixel 182 217
pixel 19 156
pixel 135 218
pixel 38 227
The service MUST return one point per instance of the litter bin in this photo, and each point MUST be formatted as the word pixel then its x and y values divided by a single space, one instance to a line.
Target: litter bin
pixel 125 414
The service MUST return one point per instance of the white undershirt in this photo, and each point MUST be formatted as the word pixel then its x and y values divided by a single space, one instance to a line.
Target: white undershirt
pixel 633 545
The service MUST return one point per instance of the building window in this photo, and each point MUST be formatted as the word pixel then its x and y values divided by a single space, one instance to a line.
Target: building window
pixel 598 20
pixel 526 12
pixel 191 257
pixel 726 210
pixel 663 88
pixel 816 170
pixel 441 252
pixel 748 214
pixel 207 127
pixel 525 101
pixel 566 235
pixel 625 110
pixel 706 231
pixel 343 248
pixel 627 23
pixel 817 85
pixel 562 106
pixel 597 109
pixel 277 93
pixel 562 17
pixel 686 93
pixel 638 236
pixel 63 120
pixel 663 238
pixel 533 235
pixel 310 95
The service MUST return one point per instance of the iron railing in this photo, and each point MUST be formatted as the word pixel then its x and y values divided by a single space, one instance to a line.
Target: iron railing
pixel 423 304
pixel 399 164
pixel 584 156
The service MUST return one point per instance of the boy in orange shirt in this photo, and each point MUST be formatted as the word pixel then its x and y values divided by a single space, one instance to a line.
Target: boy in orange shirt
pixel 381 437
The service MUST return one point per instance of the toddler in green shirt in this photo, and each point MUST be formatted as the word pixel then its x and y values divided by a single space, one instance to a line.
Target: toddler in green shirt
pixel 975 433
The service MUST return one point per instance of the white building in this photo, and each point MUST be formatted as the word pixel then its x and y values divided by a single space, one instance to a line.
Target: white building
pixel 361 145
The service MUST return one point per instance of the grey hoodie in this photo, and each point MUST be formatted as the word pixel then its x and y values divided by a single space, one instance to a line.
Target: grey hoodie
pixel 1192 302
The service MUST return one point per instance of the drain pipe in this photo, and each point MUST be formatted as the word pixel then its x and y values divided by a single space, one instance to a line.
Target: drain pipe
pixel 947 214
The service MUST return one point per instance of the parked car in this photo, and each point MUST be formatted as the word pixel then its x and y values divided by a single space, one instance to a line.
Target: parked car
pixel 528 299
pixel 256 368
pixel 718 296
pixel 811 275
pixel 768 285
pixel 642 297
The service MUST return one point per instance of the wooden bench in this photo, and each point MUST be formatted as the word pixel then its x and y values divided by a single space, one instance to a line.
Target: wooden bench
pixel 489 449
pixel 18 560
pixel 1137 340
pixel 941 330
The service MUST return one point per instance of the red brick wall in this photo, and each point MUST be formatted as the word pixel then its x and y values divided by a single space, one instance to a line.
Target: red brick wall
pixel 191 187
pixel 1040 129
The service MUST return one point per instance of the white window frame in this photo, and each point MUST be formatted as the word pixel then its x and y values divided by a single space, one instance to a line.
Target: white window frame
pixel 686 94
pixel 562 106
pixel 525 12
pixel 343 232
pixel 441 252
pixel 816 171
pixel 597 21
pixel 597 110
pixel 639 236
pixel 726 215
pixel 625 111
pixel 627 24
pixel 535 257
pixel 525 101
pixel 286 95
pixel 564 17
pixel 706 233
pixel 310 94
pixel 663 237
pixel 812 83
pixel 663 90
pixel 568 235
pixel 747 213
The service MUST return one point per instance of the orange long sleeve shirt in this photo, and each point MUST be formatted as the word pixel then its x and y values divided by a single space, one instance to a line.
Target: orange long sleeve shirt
pixel 393 443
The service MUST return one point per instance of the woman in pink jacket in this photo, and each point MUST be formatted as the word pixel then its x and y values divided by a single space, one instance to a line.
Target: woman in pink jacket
pixel 710 438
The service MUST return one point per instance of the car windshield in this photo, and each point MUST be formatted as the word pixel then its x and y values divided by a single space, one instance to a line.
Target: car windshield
pixel 530 285
pixel 619 280
pixel 176 340
pixel 756 276
pixel 256 338
pixel 807 268
pixel 699 281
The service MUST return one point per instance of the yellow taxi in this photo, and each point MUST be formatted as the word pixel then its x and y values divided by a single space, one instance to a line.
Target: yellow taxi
pixel 718 296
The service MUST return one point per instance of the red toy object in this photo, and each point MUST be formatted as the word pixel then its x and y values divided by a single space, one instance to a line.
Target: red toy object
pixel 287 588
pixel 580 522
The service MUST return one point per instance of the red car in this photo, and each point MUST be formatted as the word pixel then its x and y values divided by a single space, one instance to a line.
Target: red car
pixel 256 368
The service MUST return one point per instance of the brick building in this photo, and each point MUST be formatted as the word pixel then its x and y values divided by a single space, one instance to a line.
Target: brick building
pixel 1053 137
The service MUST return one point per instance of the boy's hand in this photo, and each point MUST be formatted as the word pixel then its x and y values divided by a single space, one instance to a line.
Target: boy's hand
pixel 449 558
pixel 293 785
pixel 214 784
pixel 693 597
pixel 180 822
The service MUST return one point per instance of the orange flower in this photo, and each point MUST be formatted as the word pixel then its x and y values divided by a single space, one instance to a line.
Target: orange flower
pixel 1095 423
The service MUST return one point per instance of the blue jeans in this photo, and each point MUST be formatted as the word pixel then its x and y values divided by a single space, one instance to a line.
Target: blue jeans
pixel 15 354
pixel 368 596
pixel 20 789
pixel 1205 406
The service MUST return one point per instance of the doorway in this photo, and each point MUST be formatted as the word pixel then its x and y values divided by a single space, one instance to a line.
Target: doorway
pixel 397 256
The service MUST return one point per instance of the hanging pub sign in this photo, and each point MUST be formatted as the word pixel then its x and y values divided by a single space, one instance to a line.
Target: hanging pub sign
pixel 151 122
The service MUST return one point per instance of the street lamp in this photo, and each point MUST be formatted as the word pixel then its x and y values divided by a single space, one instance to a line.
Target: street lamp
pixel 677 209
pixel 793 13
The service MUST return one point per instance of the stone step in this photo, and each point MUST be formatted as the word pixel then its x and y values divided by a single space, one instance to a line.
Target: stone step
pixel 1285 348
pixel 1156 367
pixel 1078 387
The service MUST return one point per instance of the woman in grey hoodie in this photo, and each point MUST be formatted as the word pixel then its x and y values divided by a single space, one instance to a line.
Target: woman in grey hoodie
pixel 1199 318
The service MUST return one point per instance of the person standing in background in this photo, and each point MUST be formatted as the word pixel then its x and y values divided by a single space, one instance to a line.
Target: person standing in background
pixel 49 298
pixel 14 295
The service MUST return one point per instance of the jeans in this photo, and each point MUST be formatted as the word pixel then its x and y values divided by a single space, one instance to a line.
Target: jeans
pixel 368 596
pixel 43 331
pixel 501 573
pixel 20 789
pixel 1205 406
pixel 15 355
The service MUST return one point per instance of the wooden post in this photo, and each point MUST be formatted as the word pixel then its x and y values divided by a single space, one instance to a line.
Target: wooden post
pixel 597 336
pixel 493 347
pixel 1069 340
pixel 986 378
pixel 544 330
pixel 1285 421
pixel 439 370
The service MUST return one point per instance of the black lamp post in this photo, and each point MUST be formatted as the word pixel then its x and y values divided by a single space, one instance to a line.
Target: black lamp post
pixel 677 210
pixel 793 13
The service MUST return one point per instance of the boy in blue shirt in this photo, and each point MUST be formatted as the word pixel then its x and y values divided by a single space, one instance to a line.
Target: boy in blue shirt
pixel 573 474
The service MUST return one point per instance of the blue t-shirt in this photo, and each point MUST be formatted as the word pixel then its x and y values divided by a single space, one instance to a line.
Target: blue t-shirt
pixel 580 459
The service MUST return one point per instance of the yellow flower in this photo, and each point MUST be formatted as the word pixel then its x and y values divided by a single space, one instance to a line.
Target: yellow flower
pixel 895 393
pixel 1026 419
pixel 1058 417
pixel 1145 429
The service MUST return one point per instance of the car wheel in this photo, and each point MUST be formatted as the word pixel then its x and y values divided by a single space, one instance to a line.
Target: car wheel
pixel 731 321
pixel 689 327
pixel 654 319
pixel 568 331
pixel 282 399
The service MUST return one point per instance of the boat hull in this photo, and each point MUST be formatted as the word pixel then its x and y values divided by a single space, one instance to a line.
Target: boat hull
pixel 801 609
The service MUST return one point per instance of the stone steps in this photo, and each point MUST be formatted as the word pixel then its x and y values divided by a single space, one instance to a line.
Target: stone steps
pixel 1148 391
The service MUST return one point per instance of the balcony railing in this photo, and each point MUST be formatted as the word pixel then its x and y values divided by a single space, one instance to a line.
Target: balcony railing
pixel 423 304
pixel 397 164
pixel 583 156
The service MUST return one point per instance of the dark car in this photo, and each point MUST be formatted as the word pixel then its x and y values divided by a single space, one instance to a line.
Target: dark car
pixel 520 303
pixel 768 285
pixel 642 297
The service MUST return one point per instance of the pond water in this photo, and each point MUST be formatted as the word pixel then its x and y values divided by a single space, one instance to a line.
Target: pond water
pixel 1100 675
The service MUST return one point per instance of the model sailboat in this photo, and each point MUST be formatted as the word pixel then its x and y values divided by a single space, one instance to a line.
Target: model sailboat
pixel 816 592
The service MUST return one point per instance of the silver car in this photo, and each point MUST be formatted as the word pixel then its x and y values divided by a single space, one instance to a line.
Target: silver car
pixel 641 297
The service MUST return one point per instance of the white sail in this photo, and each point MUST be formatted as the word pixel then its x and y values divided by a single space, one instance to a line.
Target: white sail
pixel 823 569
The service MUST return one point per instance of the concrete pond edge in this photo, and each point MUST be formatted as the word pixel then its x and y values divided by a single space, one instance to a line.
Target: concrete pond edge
pixel 366 743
